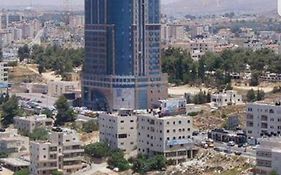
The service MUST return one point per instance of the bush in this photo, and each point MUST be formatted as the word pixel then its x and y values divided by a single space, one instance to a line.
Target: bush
pixel 97 150
pixel 193 114
pixel 22 172
pixel 90 126
pixel 144 164
pixel 39 134
pixel 3 155
pixel 276 89
pixel 117 160
pixel 253 96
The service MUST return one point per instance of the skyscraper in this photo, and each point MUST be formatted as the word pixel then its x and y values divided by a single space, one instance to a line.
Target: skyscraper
pixel 122 66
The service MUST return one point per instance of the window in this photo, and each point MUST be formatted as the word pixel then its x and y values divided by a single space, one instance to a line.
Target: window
pixel 179 122
pixel 168 131
pixel 122 121
pixel 122 136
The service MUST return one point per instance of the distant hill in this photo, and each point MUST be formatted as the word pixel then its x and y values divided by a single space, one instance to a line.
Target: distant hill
pixel 203 7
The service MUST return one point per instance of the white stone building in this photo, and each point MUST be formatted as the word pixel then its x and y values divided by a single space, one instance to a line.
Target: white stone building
pixel 167 135
pixel 263 119
pixel 12 142
pixel 62 152
pixel 119 130
pixel 28 124
pixel 268 156
pixel 226 98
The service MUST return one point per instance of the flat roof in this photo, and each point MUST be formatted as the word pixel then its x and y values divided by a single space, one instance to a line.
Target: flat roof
pixel 16 162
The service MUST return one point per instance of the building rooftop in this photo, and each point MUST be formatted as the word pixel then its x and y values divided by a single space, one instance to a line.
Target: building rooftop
pixel 15 162
pixel 35 118
pixel 271 143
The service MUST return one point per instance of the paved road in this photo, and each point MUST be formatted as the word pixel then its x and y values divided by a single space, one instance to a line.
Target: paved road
pixel 46 101
pixel 250 153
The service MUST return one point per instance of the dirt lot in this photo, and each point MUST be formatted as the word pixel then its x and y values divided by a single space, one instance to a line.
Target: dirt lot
pixel 213 163
pixel 88 138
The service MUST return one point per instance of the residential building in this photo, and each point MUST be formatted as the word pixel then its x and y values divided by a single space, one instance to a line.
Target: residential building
pixel 172 106
pixel 3 72
pixel 59 88
pixel 40 88
pixel 171 33
pixel 15 164
pixel 268 156
pixel 263 119
pixel 12 142
pixel 166 135
pixel 119 130
pixel 28 124
pixel 271 77
pixel 62 152
pixel 229 97
pixel 122 64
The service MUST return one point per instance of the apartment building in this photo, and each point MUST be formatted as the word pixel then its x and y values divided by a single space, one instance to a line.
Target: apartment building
pixel 263 119
pixel 62 152
pixel 28 124
pixel 226 98
pixel 119 130
pixel 59 88
pixel 173 106
pixel 268 156
pixel 166 135
pixel 271 77
pixel 3 72
pixel 12 142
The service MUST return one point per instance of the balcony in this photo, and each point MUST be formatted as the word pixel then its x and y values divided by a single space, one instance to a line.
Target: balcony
pixel 73 151
pixel 75 166
pixel 73 158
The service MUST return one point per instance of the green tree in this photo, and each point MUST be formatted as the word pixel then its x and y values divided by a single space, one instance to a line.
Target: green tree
pixel 260 94
pixel 228 87
pixel 90 126
pixel 117 160
pixel 39 134
pixel 251 95
pixel 97 150
pixel 23 52
pixel 10 110
pixel 48 113
pixel 201 70
pixel 274 173
pixel 65 113
pixel 144 164
pixel 254 79
pixel 22 172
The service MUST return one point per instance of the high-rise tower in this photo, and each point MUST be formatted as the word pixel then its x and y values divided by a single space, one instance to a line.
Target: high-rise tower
pixel 122 66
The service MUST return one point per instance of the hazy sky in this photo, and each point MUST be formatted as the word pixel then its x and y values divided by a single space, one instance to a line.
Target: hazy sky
pixel 46 2
pixel 36 2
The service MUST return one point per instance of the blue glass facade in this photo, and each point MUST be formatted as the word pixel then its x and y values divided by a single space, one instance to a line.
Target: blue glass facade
pixel 122 44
